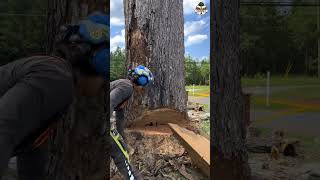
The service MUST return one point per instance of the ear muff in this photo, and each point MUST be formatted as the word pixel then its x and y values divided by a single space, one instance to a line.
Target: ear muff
pixel 142 80
pixel 100 62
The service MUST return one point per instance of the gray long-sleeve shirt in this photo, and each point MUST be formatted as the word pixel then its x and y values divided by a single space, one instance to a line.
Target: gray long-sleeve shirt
pixel 32 92
pixel 120 91
pixel 50 77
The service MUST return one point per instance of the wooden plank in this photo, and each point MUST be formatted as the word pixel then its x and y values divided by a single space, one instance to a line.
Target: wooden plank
pixel 196 145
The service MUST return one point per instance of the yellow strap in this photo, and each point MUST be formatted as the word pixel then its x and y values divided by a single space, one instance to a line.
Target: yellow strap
pixel 116 139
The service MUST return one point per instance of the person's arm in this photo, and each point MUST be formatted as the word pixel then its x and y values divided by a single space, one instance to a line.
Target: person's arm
pixel 7 77
pixel 120 121
pixel 120 94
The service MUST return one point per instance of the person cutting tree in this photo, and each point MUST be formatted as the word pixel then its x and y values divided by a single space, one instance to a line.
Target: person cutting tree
pixel 36 91
pixel 120 92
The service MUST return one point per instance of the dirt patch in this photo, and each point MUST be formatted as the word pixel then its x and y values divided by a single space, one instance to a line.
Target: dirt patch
pixel 196 145
pixel 286 168
pixel 159 157
pixel 265 167
pixel 155 151
pixel 310 102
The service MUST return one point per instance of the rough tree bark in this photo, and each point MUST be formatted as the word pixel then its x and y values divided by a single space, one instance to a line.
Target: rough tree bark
pixel 77 151
pixel 154 37
pixel 230 158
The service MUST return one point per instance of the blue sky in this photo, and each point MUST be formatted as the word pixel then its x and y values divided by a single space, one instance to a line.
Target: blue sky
pixel 196 28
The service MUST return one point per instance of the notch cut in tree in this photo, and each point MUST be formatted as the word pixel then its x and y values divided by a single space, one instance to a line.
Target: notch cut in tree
pixel 154 38
pixel 155 122
pixel 228 129
pixel 77 151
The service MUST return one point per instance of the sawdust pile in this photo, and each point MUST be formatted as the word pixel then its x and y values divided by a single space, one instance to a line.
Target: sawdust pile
pixel 158 157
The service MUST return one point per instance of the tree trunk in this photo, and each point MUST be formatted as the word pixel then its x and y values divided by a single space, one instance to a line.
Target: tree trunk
pixel 77 151
pixel 154 38
pixel 229 153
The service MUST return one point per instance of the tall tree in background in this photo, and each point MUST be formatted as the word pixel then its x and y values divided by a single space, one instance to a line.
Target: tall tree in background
pixel 78 152
pixel 118 68
pixel 302 23
pixel 22 29
pixel 154 37
pixel 266 43
pixel 230 158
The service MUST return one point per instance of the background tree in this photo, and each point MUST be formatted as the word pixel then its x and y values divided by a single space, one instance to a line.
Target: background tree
pixel 302 24
pixel 22 29
pixel 205 72
pixel 229 157
pixel 78 152
pixel 154 37
pixel 193 75
pixel 279 39
pixel 196 71
pixel 117 64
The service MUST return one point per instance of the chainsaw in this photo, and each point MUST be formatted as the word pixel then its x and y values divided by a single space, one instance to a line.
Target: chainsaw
pixel 121 158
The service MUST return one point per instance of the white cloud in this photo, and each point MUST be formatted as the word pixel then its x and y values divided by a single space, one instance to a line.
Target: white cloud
pixel 204 57
pixel 190 5
pixel 116 13
pixel 117 41
pixel 117 10
pixel 116 21
pixel 192 27
pixel 195 39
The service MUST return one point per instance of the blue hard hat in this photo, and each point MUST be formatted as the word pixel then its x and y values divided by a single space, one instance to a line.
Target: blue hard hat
pixel 95 31
pixel 100 62
pixel 142 81
pixel 95 28
pixel 100 18
pixel 141 75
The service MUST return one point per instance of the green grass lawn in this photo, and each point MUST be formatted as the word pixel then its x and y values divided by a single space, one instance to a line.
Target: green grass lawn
pixel 205 127
pixel 198 90
pixel 278 100
pixel 280 81
pixel 305 93
pixel 290 101
pixel 293 98
pixel 274 81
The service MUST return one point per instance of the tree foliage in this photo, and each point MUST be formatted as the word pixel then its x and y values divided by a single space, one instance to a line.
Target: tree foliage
pixel 22 29
pixel 272 38
pixel 278 39
pixel 197 71
pixel 117 65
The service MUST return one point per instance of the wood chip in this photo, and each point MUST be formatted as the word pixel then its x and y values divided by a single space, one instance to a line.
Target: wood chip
pixel 183 172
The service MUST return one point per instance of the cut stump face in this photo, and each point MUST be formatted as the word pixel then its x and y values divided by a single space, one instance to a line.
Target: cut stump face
pixel 156 121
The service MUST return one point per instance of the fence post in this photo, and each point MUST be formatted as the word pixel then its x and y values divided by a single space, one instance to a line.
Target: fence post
pixel 268 89
pixel 192 89
pixel 247 109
